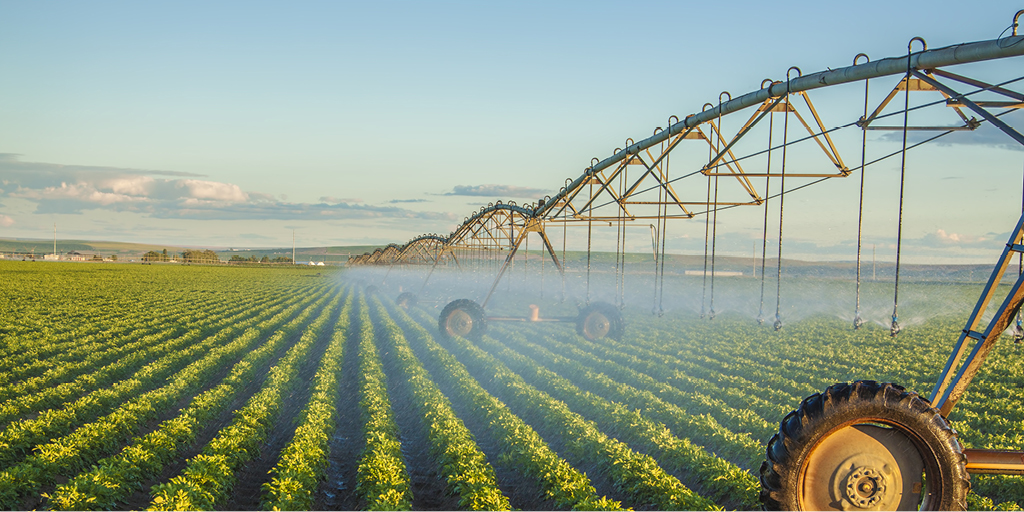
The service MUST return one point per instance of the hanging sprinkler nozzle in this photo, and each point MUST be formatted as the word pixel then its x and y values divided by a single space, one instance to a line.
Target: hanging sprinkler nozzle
pixel 857 321
pixel 895 328
pixel 778 322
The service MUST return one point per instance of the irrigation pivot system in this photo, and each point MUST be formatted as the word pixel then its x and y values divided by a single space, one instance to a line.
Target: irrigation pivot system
pixel 863 445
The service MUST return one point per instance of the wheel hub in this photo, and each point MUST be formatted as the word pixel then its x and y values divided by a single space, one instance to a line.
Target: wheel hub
pixel 863 467
pixel 865 487
pixel 459 323
pixel 596 326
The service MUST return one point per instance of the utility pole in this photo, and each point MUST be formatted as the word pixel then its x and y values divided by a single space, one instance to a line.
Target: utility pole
pixel 54 238
pixel 872 262
pixel 293 246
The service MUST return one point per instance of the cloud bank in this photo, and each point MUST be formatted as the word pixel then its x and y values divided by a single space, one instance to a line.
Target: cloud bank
pixel 497 191
pixel 70 189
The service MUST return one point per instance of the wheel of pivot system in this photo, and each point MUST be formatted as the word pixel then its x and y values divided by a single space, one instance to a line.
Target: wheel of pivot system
pixel 462 317
pixel 600 320
pixel 371 290
pixel 406 300
pixel 864 446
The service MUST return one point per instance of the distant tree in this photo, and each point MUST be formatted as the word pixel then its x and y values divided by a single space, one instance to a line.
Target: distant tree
pixel 197 256
pixel 97 257
pixel 165 258
pixel 237 258
pixel 265 259
pixel 281 259
pixel 113 257
pixel 152 256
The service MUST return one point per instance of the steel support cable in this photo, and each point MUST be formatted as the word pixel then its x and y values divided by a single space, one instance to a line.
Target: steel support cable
pixel 707 220
pixel 621 244
pixel 782 203
pixel 590 231
pixel 894 329
pixel 857 320
pixel 714 214
pixel 656 235
pixel 565 223
pixel 664 226
pixel 764 229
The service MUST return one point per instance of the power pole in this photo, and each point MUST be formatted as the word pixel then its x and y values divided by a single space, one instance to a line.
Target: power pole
pixel 54 238
pixel 293 246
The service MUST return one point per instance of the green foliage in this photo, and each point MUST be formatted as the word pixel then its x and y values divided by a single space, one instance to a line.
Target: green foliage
pixel 462 463
pixel 383 480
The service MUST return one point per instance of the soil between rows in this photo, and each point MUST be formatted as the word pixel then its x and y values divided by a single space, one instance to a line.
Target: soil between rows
pixel 140 499
pixel 523 493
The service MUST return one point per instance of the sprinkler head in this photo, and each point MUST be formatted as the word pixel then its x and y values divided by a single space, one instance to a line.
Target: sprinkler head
pixel 857 322
pixel 778 322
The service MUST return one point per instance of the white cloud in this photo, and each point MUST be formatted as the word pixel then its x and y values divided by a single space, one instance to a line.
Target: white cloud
pixel 131 185
pixel 214 191
pixel 6 221
pixel 496 191
pixel 81 192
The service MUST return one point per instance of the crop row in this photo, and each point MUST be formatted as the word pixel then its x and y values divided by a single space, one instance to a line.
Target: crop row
pixel 113 478
pixel 719 480
pixel 463 465
pixel 18 437
pixel 635 475
pixel 77 450
pixel 208 478
pixel 105 347
pixel 521 447
pixel 382 480
pixel 97 386
pixel 304 460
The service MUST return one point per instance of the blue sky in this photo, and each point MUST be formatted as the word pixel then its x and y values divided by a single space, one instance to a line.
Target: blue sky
pixel 232 123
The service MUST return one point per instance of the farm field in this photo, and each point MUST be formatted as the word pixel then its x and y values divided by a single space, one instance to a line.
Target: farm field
pixel 174 387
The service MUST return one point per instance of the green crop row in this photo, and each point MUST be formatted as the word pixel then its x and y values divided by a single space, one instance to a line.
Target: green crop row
pixel 112 479
pixel 304 460
pixel 209 477
pixel 22 351
pixel 636 475
pixel 718 479
pixel 521 448
pixel 76 451
pixel 695 372
pixel 382 479
pixel 145 351
pixel 93 355
pixel 462 463
pixel 20 436
pixel 669 385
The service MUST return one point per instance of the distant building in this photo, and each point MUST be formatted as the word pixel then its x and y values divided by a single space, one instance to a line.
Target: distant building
pixel 51 257
pixel 74 256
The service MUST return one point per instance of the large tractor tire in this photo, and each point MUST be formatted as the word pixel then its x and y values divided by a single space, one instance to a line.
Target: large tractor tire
pixel 406 300
pixel 600 320
pixel 864 446
pixel 462 317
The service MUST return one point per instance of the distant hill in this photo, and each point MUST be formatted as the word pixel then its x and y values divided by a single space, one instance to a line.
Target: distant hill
pixel 129 251
pixel 576 260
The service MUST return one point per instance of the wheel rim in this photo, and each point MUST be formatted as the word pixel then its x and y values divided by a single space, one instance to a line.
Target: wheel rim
pixel 863 467
pixel 459 323
pixel 596 326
